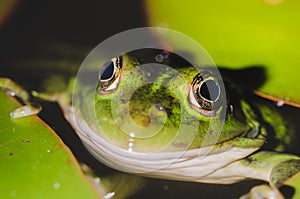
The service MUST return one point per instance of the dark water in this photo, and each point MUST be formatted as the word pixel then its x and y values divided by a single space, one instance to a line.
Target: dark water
pixel 83 23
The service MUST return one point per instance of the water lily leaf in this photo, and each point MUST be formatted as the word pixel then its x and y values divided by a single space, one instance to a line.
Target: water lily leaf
pixel 294 182
pixel 240 34
pixel 34 163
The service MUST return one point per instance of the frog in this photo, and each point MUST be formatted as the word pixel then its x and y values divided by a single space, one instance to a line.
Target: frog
pixel 178 122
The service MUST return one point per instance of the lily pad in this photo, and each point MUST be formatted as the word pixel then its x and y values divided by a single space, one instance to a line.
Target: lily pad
pixel 294 182
pixel 239 34
pixel 34 163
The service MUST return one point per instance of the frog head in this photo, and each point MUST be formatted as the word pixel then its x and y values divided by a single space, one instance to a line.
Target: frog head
pixel 152 107
pixel 144 104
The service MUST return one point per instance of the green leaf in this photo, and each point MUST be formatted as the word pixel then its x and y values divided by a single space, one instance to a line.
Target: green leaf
pixel 294 182
pixel 34 163
pixel 241 33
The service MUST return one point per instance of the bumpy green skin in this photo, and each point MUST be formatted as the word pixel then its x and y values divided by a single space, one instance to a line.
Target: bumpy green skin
pixel 136 100
pixel 169 90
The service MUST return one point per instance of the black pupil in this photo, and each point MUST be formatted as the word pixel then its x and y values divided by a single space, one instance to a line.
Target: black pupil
pixel 209 90
pixel 107 70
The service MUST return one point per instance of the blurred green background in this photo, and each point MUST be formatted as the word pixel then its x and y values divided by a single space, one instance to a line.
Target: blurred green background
pixel 239 34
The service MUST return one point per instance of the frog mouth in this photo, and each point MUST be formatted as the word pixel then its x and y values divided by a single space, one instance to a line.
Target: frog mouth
pixel 189 165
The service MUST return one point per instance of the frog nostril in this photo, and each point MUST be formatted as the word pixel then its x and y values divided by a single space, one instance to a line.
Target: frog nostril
pixel 123 101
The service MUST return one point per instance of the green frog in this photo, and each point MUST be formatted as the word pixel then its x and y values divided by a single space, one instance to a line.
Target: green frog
pixel 169 119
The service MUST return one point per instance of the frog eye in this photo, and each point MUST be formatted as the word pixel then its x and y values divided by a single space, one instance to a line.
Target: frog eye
pixel 110 75
pixel 205 94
